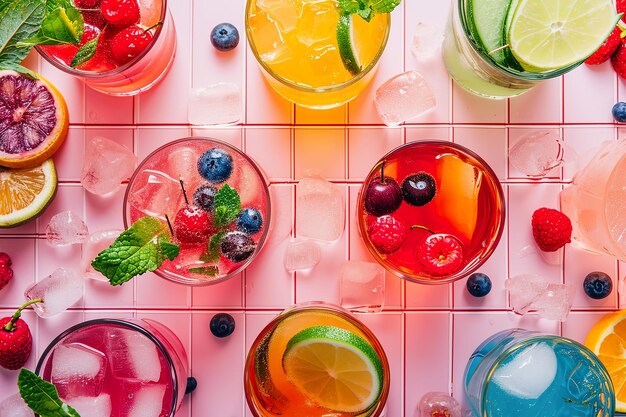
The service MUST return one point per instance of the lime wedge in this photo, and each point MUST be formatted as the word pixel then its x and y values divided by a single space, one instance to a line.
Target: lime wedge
pixel 345 36
pixel 335 368
pixel 551 34
pixel 488 17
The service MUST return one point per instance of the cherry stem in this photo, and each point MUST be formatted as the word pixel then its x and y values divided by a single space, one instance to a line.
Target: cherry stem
pixel 10 326
pixel 184 192
pixel 153 26
pixel 169 224
pixel 382 172
pixel 417 226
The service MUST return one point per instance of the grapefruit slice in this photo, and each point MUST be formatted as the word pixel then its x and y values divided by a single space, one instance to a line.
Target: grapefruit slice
pixel 33 120
pixel 26 192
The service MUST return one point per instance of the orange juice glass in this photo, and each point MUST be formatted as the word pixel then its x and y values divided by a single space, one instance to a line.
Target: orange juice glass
pixel 295 42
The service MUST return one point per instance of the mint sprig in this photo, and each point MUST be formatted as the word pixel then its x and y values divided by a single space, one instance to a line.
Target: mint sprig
pixel 227 206
pixel 367 8
pixel 212 253
pixel 61 25
pixel 42 397
pixel 20 19
pixel 142 248
pixel 85 53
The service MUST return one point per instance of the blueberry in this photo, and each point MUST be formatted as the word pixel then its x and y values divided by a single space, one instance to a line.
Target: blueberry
pixel 418 189
pixel 619 112
pixel 478 284
pixel 597 285
pixel 249 221
pixel 225 37
pixel 215 165
pixel 204 197
pixel 237 246
pixel 192 384
pixel 222 325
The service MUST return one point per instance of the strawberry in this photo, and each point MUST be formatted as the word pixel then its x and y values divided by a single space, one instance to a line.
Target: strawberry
pixel 191 225
pixel 620 6
pixel 440 255
pixel 129 43
pixel 551 229
pixel 610 45
pixel 16 342
pixel 6 273
pixel 120 12
pixel 386 233
pixel 618 60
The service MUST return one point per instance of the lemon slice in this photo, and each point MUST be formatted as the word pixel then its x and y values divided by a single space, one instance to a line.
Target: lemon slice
pixel 607 339
pixel 25 193
pixel 345 36
pixel 335 368
pixel 551 34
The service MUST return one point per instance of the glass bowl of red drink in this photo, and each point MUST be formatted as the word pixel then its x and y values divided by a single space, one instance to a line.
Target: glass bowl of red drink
pixel 135 47
pixel 215 201
pixel 431 212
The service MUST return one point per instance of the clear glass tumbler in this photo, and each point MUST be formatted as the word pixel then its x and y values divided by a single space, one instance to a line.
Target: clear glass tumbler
pixel 521 373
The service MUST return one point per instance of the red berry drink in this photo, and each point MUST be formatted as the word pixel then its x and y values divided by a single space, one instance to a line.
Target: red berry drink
pixel 117 368
pixel 135 45
pixel 216 201
pixel 431 212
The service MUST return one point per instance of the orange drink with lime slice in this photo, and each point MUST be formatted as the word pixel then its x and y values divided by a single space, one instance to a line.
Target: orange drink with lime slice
pixel 316 360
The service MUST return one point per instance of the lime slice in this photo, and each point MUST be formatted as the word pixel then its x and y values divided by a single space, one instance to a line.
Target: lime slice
pixel 551 34
pixel 335 368
pixel 488 17
pixel 345 36
pixel 25 192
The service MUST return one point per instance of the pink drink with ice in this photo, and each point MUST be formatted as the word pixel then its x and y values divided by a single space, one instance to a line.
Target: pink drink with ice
pixel 117 368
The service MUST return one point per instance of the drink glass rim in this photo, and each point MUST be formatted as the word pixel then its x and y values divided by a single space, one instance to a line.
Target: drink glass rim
pixel 304 88
pixel 129 324
pixel 115 71
pixel 501 220
pixel 524 75
pixel 536 337
pixel 268 209
pixel 335 309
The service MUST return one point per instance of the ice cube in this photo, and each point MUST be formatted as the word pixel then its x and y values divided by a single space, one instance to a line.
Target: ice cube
pixel 150 12
pixel 99 406
pixel 539 152
pixel 147 401
pixel 105 165
pixel 66 228
pixel 78 370
pixel 14 406
pixel 427 40
pixel 552 301
pixel 302 254
pixel 133 355
pixel 555 302
pixel 96 243
pixel 160 195
pixel 217 104
pixel 362 286
pixel 268 39
pixel 404 97
pixel 285 13
pixel 184 165
pixel 59 291
pixel 529 373
pixel 315 26
pixel 320 209
pixel 439 404
pixel 524 290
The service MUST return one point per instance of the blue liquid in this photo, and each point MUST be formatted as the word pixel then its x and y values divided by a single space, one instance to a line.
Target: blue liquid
pixel 580 387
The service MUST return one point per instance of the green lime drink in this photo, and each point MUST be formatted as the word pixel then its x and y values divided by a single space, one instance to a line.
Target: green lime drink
pixel 503 48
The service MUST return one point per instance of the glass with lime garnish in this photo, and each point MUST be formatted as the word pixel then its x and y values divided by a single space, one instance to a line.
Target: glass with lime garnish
pixel 503 48
pixel 321 53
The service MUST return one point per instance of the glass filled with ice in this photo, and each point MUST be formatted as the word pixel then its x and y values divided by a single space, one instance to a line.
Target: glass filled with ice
pixel 214 200
pixel 117 368
pixel 520 373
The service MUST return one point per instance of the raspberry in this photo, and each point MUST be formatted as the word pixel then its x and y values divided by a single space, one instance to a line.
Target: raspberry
pixel 6 273
pixel 191 225
pixel 551 229
pixel 441 255
pixel 386 233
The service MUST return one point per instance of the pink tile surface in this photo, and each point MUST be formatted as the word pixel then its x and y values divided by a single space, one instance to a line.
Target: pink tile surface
pixel 428 332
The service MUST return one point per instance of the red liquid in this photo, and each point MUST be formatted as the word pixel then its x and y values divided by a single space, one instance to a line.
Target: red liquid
pixel 468 204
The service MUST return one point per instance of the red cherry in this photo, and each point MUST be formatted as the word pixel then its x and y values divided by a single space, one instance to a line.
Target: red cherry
pixel 191 225
pixel 15 344
pixel 129 43
pixel 441 255
pixel 120 12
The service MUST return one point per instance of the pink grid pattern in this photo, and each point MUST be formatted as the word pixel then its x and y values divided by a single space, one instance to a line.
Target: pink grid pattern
pixel 428 331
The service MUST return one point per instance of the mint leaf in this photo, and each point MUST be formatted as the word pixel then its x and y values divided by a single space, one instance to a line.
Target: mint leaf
pixel 18 68
pixel 367 8
pixel 384 6
pixel 143 247
pixel 85 53
pixel 213 249
pixel 19 20
pixel 366 14
pixel 227 206
pixel 42 397
pixel 211 271
pixel 63 24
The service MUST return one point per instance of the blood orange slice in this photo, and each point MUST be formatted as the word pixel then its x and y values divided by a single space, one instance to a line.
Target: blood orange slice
pixel 33 120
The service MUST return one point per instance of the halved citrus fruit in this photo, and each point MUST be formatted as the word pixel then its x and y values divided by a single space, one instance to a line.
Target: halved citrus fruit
pixel 25 193
pixel 607 339
pixel 335 368
pixel 33 120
